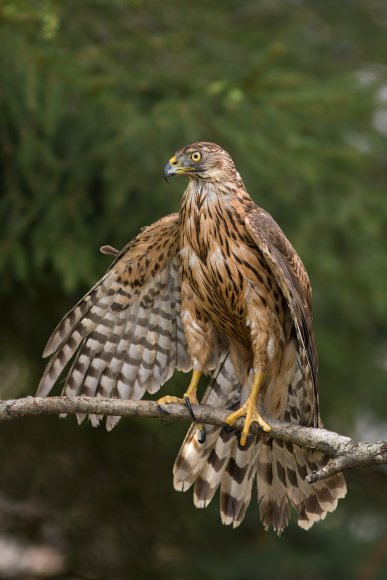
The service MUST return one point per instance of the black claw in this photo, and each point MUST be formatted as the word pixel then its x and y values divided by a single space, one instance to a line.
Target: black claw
pixel 189 407
pixel 163 409
pixel 203 435
pixel 228 429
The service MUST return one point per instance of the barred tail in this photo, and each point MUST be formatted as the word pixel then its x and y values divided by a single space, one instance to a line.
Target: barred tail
pixel 219 461
pixel 280 468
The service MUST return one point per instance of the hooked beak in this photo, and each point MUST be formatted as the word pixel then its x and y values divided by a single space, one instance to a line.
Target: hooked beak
pixel 174 168
pixel 169 170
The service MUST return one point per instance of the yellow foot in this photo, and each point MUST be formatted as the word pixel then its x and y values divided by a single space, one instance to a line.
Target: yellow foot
pixel 169 399
pixel 188 400
pixel 249 410
pixel 182 400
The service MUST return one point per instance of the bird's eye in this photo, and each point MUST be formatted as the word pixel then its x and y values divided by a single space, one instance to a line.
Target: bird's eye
pixel 196 156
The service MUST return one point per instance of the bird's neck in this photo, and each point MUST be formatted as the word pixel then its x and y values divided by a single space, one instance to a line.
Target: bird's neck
pixel 203 196
pixel 206 210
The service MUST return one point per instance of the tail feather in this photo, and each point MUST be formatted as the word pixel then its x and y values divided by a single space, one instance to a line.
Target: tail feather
pixel 236 483
pixel 195 456
pixel 220 461
pixel 280 467
pixel 211 473
pixel 273 503
pixel 284 485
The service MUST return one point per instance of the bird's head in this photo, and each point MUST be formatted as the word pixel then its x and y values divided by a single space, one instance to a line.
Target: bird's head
pixel 201 161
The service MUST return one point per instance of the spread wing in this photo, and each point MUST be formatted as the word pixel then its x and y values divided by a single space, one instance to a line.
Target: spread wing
pixel 126 333
pixel 290 274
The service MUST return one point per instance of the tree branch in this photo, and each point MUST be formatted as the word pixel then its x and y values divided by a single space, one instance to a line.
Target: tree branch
pixel 342 451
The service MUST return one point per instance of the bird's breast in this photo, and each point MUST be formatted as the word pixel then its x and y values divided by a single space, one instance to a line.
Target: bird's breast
pixel 228 284
pixel 218 287
pixel 226 272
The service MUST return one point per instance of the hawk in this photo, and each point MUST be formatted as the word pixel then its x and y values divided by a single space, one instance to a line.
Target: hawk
pixel 217 289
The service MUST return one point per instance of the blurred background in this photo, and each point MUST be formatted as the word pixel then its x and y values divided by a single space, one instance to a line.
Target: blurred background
pixel 94 98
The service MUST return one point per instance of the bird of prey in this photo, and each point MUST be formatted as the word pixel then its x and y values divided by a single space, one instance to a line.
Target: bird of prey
pixel 217 289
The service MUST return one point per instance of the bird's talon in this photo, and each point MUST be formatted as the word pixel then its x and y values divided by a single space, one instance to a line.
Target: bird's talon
pixel 203 435
pixel 187 400
pixel 251 415
pixel 189 407
pixel 163 409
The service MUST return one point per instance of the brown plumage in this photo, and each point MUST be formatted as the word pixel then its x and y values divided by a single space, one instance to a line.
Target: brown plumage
pixel 216 288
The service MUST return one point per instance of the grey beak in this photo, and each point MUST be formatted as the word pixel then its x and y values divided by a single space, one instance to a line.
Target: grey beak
pixel 169 171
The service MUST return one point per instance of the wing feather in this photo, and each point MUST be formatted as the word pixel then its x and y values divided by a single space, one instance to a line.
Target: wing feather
pixel 292 278
pixel 126 334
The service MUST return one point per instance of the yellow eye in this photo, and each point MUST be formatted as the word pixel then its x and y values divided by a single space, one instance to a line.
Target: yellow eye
pixel 196 156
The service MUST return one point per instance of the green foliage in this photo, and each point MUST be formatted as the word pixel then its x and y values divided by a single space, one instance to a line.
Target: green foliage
pixel 96 96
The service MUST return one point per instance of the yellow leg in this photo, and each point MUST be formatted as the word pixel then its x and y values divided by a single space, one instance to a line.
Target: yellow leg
pixel 190 394
pixel 250 410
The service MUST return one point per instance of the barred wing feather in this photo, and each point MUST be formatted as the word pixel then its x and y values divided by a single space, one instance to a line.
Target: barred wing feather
pixel 126 333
